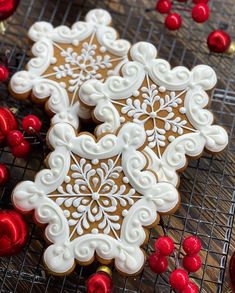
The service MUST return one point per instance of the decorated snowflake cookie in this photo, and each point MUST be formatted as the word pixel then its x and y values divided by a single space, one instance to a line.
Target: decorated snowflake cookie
pixel 96 198
pixel 168 103
pixel 64 58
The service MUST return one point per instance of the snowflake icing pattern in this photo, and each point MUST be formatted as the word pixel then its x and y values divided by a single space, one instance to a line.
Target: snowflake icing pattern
pixel 95 197
pixel 159 110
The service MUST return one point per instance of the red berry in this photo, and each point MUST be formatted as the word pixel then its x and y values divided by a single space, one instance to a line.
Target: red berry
pixel 14 138
pixel 200 12
pixel 4 72
pixel 31 123
pixel 158 263
pixel 218 41
pixel 21 150
pixel 173 21
pixel 163 6
pixel 200 1
pixel 4 174
pixel 191 288
pixel 192 263
pixel 178 279
pixel 192 245
pixel 164 245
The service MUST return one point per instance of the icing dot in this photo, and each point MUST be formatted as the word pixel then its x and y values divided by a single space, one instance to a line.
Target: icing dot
pixel 95 196
pixel 153 115
pixel 94 231
pixel 124 213
pixel 171 138
pixel 94 161
pixel 136 93
pixel 83 66
pixel 53 60
pixel 75 42
pixel 125 180
pixel 102 49
pixel 162 89
pixel 66 213
pixel 182 110
pixel 63 84
pixel 122 119
pixel 110 72
pixel 67 179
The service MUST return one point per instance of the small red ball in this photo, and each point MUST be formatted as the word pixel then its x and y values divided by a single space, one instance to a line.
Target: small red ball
pixel 163 6
pixel 22 150
pixel 218 41
pixel 200 1
pixel 191 288
pixel 4 72
pixel 14 138
pixel 158 263
pixel 173 21
pixel 99 282
pixel 200 12
pixel 192 245
pixel 31 124
pixel 164 245
pixel 192 263
pixel 4 174
pixel 178 279
pixel 7 121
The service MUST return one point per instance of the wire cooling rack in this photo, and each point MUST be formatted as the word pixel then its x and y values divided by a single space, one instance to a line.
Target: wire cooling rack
pixel 207 185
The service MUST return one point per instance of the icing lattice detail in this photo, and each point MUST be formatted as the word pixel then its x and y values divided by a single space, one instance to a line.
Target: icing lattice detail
pixel 96 197
pixel 168 103
pixel 66 58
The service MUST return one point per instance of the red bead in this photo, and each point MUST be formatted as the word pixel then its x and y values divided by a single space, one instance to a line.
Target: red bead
pixel 7 8
pixel 173 21
pixel 4 174
pixel 7 121
pixel 31 124
pixel 164 245
pixel 13 233
pixel 178 279
pixel 99 282
pixel 200 1
pixel 158 263
pixel 4 73
pixel 192 245
pixel 218 41
pixel 163 6
pixel 191 288
pixel 200 12
pixel 14 138
pixel 21 150
pixel 192 263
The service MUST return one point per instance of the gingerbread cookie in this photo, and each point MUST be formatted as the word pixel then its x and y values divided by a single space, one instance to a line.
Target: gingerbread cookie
pixel 97 198
pixel 168 103
pixel 64 59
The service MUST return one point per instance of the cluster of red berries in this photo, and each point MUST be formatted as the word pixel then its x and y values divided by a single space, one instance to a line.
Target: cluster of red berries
pixel 179 279
pixel 200 12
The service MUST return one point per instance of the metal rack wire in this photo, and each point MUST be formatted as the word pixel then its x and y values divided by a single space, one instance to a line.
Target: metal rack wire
pixel 207 185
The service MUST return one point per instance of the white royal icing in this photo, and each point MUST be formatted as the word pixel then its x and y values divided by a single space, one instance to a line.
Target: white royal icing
pixel 75 193
pixel 190 132
pixel 77 67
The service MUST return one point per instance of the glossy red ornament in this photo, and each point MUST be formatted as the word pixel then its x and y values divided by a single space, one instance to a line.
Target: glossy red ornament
pixel 191 288
pixel 192 263
pixel 163 6
pixel 4 72
pixel 7 123
pixel 21 150
pixel 164 245
pixel 158 263
pixel 7 8
pixel 4 174
pixel 200 1
pixel 173 21
pixel 218 41
pixel 31 124
pixel 13 232
pixel 100 282
pixel 200 12
pixel 15 138
pixel 192 245
pixel 179 279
